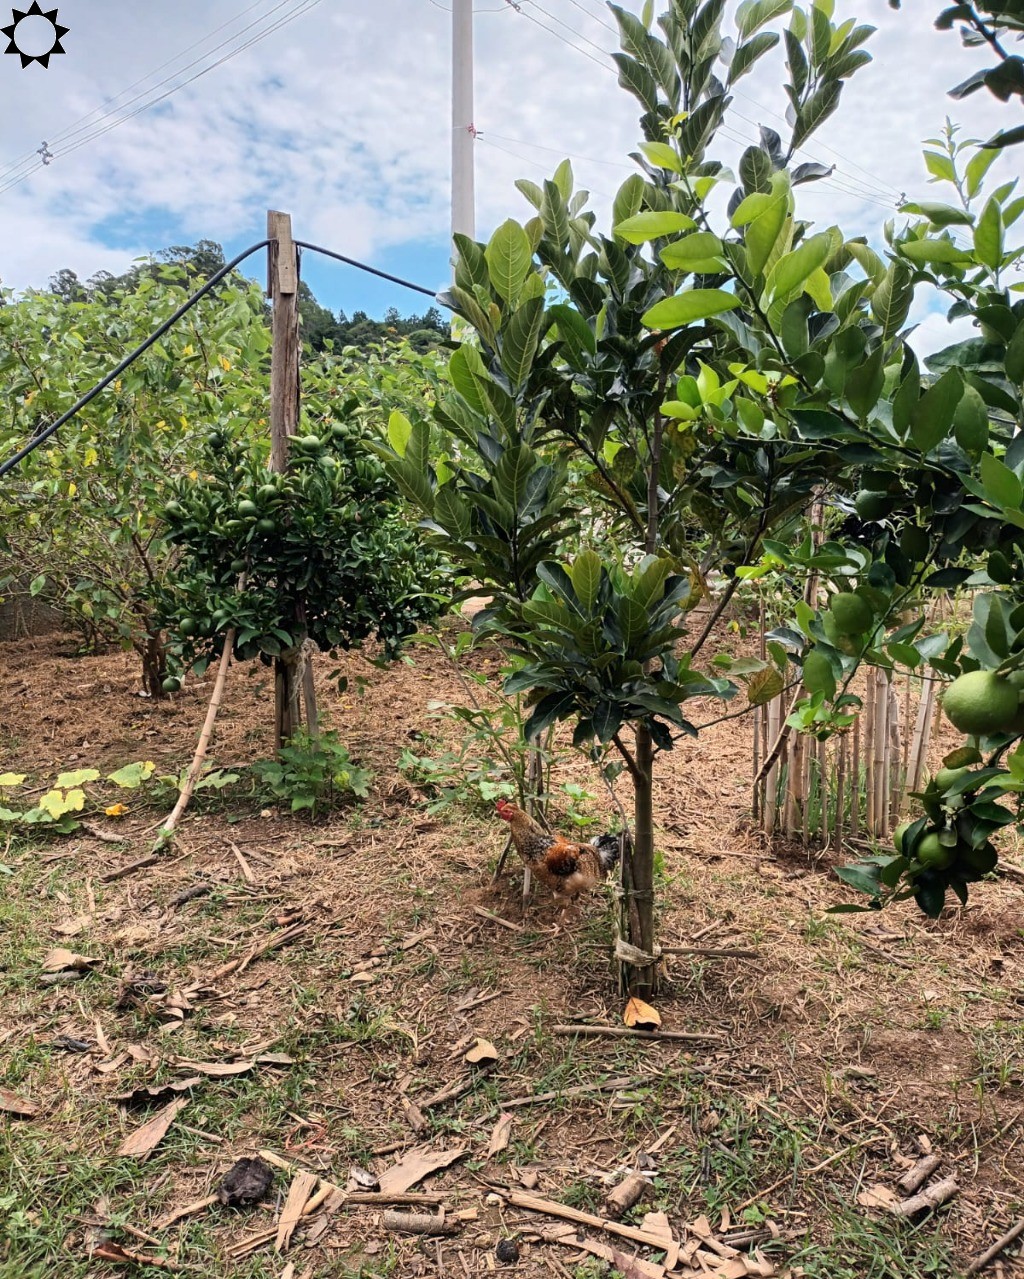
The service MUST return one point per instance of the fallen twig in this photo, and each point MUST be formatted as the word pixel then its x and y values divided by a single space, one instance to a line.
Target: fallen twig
pixel 189 1210
pixel 990 1254
pixel 497 919
pixel 919 1174
pixel 552 1209
pixel 418 1223
pixel 609 1085
pixel 130 868
pixel 711 952
pixel 626 1032
pixel 934 1197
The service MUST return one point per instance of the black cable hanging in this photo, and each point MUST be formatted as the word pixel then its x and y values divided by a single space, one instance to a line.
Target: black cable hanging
pixel 185 307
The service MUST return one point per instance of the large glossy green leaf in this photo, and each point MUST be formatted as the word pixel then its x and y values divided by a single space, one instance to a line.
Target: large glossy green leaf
pixel 662 156
pixel 1002 487
pixel 753 14
pixel 1015 356
pixel 586 577
pixel 891 300
pixel 932 415
pixel 988 235
pixel 791 271
pixel 700 252
pixel 575 333
pixel 519 339
pixel 509 258
pixel 652 225
pixel 940 252
pixel 689 307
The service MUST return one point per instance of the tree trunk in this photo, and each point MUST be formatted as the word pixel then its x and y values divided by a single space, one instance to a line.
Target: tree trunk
pixel 642 981
pixel 154 664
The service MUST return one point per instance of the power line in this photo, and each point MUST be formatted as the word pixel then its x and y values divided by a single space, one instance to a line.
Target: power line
pixel 519 8
pixel 109 107
pixel 594 18
pixel 537 146
pixel 572 30
pixel 99 129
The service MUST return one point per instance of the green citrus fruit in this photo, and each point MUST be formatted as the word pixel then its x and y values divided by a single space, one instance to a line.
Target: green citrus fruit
pixel 266 526
pixel 929 852
pixel 174 510
pixel 872 506
pixel 981 702
pixel 310 442
pixel 267 492
pixel 914 543
pixel 981 859
pixel 899 834
pixel 247 510
pixel 170 684
pixel 970 422
pixel 852 614
pixel 188 626
pixel 945 778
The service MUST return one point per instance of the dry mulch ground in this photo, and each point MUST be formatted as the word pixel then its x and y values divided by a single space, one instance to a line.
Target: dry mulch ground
pixel 344 966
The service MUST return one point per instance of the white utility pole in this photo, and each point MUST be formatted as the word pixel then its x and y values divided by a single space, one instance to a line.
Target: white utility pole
pixel 463 131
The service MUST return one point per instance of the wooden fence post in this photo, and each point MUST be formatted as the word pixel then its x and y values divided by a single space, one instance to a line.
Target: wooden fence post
pixel 286 351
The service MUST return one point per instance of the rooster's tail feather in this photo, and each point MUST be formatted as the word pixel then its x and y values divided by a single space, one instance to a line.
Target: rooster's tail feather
pixel 608 848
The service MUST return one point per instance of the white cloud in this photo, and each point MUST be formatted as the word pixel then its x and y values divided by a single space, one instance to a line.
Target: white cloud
pixel 342 118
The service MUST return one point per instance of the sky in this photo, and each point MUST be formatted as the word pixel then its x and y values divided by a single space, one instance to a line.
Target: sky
pixel 341 117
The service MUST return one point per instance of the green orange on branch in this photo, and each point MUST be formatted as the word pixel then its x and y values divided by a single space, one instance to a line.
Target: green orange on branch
pixel 981 702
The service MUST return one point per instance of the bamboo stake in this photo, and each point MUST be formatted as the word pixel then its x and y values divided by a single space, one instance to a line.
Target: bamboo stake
pixel 806 758
pixel 840 791
pixel 203 745
pixel 922 733
pixel 771 781
pixel 880 746
pixel 855 781
pixel 823 789
pixel 869 754
pixel 895 777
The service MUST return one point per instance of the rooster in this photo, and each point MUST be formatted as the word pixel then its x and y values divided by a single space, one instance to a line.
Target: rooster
pixel 565 866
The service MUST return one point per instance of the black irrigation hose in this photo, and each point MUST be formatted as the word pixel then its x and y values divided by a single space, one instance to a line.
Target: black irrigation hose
pixel 185 307
pixel 371 270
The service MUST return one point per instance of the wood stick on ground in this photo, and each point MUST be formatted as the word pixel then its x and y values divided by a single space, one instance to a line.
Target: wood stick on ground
pixel 299 1195
pixel 551 1209
pixel 203 745
pixel 626 1194
pixel 990 1254
pixel 626 1032
pixel 916 1177
pixel 636 1266
pixel 580 1090
pixel 934 1197
pixel 130 868
pixel 189 1210
pixel 418 1223
pixel 497 919
pixel 711 952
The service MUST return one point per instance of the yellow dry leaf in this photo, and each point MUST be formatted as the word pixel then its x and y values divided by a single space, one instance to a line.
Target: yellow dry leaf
pixel 193 475
pixel 72 488
pixel 225 363
pixel 482 1052
pixel 31 396
pixel 116 810
pixel 639 1014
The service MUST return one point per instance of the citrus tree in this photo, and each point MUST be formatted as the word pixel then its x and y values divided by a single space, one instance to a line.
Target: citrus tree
pixel 694 369
pixel 79 518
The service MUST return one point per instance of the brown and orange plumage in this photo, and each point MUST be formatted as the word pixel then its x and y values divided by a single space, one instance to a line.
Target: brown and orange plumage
pixel 563 865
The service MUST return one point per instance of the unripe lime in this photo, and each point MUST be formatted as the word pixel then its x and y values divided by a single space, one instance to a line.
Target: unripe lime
pixel 170 684
pixel 852 614
pixel 188 626
pixel 174 510
pixel 981 702
pixel 266 526
pixel 247 510
pixel 899 834
pixel 267 492
pixel 933 854
pixel 945 778
pixel 983 859
pixel 872 506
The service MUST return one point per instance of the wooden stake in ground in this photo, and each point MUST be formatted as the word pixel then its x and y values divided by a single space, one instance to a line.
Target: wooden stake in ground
pixel 286 351
pixel 202 747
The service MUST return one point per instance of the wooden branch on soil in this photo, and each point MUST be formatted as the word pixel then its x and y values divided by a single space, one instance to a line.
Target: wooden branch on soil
pixel 580 1090
pixel 711 952
pixel 934 1197
pixel 626 1032
pixel 532 1203
pixel 990 1254
pixel 418 1223
pixel 919 1174
pixel 359 1197
pixel 625 1265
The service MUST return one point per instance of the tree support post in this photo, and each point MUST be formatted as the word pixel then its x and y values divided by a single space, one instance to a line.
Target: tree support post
pixel 286 352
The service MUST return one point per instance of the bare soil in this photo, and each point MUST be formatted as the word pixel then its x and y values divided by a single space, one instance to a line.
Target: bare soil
pixel 830 1059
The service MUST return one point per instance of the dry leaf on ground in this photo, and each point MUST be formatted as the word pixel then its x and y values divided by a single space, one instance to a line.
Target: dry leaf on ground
pixel 153 1092
pixel 416 1165
pixel 61 960
pixel 641 1015
pixel 148 1137
pixel 13 1105
pixel 483 1052
pixel 500 1135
